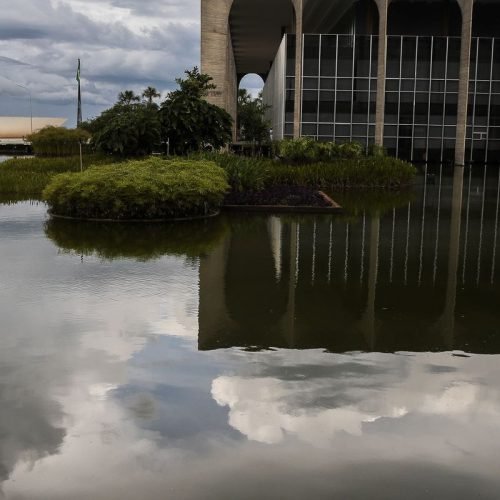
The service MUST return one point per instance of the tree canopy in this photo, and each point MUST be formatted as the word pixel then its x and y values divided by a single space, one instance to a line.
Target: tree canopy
pixel 252 124
pixel 133 127
pixel 191 123
pixel 129 128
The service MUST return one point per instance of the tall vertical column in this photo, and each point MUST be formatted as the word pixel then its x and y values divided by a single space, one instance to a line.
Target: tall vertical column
pixel 217 57
pixel 297 115
pixel 466 7
pixel 383 8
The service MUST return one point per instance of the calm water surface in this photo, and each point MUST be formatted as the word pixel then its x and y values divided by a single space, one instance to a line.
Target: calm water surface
pixel 255 357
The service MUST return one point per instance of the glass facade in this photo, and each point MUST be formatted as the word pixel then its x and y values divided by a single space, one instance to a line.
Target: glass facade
pixel 483 117
pixel 422 97
pixel 339 88
pixel 339 83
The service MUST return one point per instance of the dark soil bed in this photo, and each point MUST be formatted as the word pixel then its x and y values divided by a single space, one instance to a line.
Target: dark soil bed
pixel 290 196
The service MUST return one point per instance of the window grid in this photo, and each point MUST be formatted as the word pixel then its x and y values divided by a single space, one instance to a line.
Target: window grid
pixel 421 94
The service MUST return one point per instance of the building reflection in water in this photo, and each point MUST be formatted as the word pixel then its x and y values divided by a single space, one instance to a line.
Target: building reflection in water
pixel 421 277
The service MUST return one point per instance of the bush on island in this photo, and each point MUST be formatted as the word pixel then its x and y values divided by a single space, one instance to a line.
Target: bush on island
pixel 58 141
pixel 307 150
pixel 255 174
pixel 146 190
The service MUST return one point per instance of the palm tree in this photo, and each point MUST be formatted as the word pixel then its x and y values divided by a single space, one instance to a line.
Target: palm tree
pixel 150 93
pixel 128 97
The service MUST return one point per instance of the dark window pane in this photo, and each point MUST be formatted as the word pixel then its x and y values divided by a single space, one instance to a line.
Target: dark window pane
pixel 326 106
pixel 424 58
pixel 409 54
pixel 345 55
pixel 327 84
pixel 328 55
pixel 310 106
pixel 311 55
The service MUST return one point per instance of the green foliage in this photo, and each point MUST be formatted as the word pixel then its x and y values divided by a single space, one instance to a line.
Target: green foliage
pixel 143 242
pixel 58 141
pixel 363 172
pixel 147 189
pixel 243 173
pixel 127 97
pixel 127 129
pixel 150 94
pixel 26 178
pixel 252 124
pixel 307 150
pixel 189 122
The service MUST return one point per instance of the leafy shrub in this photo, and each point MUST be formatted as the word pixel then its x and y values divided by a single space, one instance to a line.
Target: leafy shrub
pixel 307 150
pixel 363 172
pixel 147 189
pixel 58 141
pixel 243 173
pixel 127 129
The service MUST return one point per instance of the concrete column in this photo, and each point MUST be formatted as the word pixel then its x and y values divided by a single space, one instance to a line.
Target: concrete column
pixel 383 8
pixel 217 58
pixel 466 7
pixel 297 116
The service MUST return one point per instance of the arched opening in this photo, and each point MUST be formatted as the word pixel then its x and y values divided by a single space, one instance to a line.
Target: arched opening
pixel 253 121
pixel 252 83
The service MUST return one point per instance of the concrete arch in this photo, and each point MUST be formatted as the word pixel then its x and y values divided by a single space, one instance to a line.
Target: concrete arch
pixel 229 30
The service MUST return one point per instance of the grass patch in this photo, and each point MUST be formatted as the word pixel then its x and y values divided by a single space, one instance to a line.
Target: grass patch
pixel 365 172
pixel 26 178
pixel 144 189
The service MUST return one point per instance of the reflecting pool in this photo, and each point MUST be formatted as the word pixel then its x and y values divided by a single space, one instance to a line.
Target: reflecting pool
pixel 244 357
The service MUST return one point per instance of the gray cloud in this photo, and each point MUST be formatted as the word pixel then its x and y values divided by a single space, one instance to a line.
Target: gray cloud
pixel 122 44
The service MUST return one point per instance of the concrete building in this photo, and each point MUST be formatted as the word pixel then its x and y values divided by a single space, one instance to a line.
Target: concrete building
pixel 420 77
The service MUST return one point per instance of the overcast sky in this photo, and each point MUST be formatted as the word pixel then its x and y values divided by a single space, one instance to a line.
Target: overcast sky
pixel 123 44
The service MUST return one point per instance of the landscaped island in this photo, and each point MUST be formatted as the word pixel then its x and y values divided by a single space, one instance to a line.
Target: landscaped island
pixel 150 189
pixel 166 188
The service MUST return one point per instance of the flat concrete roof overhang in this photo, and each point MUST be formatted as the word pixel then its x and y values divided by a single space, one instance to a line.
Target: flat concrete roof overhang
pixel 257 28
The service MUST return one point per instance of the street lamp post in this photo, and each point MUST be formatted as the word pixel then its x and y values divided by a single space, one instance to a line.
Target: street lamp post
pixel 31 103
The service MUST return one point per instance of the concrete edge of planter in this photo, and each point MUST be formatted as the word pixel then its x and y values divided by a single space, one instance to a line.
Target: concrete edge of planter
pixel 176 219
pixel 334 208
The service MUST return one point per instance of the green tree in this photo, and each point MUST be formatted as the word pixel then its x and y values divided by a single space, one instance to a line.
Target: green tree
pixel 252 124
pixel 131 129
pixel 150 94
pixel 189 122
pixel 127 97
